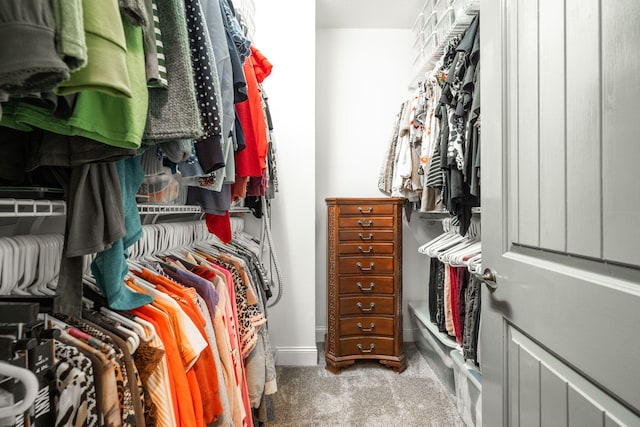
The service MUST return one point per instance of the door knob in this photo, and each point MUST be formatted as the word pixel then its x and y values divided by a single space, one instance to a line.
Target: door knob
pixel 488 277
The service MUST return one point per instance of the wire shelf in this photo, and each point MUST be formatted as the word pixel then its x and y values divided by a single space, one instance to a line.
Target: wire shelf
pixel 168 209
pixel 10 208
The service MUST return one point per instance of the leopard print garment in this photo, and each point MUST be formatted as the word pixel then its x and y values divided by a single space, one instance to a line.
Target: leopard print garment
pixel 137 388
pixel 71 396
pixel 74 358
pixel 109 348
pixel 246 328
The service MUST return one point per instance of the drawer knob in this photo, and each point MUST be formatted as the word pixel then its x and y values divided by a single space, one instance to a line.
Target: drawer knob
pixel 368 251
pixel 368 210
pixel 369 329
pixel 372 265
pixel 372 305
pixel 370 288
pixel 365 238
pixel 362 350
pixel 365 223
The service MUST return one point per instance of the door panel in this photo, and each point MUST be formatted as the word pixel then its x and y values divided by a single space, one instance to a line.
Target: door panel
pixel 529 389
pixel 620 130
pixel 582 412
pixel 553 402
pixel 552 127
pixel 583 136
pixel 559 343
pixel 528 179
pixel 551 393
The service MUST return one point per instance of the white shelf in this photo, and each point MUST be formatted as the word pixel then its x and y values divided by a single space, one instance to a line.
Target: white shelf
pixel 12 208
pixel 421 310
pixel 435 215
pixel 168 209
pixel 454 21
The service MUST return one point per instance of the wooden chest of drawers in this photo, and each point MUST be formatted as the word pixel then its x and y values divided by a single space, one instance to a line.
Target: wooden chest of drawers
pixel 364 257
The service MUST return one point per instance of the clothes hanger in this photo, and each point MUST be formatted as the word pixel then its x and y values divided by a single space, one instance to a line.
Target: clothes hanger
pixel 449 232
pixel 122 324
pixel 423 248
pixel 20 255
pixel 455 256
pixel 147 326
pixel 474 264
pixel 198 257
pixel 31 387
pixel 6 264
pixel 43 262
pixel 54 256
pixel 131 324
pixel 444 244
pixel 444 255
pixel 207 249
pixel 133 339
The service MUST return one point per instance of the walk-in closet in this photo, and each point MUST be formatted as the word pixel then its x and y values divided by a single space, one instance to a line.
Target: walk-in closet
pixel 319 213
pixel 138 140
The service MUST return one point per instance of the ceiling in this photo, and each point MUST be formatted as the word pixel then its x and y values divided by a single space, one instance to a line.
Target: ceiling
pixel 367 13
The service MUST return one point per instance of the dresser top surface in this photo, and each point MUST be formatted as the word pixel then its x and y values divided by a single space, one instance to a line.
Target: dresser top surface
pixel 360 200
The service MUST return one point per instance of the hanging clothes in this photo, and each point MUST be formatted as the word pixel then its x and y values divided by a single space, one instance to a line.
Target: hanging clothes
pixel 433 159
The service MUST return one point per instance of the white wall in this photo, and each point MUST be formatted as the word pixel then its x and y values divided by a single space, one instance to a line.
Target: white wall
pixel 333 95
pixel 362 78
pixel 289 43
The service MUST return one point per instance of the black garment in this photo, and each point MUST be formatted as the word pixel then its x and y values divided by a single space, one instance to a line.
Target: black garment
pixel 471 320
pixel 432 289
pixel 239 80
pixel 238 137
pixel 209 147
pixel 60 106
pixel 255 204
pixel 440 312
pixel 454 112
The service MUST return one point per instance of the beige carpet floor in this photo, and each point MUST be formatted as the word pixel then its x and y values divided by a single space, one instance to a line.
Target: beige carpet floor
pixel 364 395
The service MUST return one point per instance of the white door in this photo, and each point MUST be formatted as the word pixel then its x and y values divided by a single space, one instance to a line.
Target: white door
pixel 561 212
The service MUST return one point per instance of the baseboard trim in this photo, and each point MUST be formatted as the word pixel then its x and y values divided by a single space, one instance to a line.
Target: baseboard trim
pixel 296 356
pixel 320 333
pixel 408 334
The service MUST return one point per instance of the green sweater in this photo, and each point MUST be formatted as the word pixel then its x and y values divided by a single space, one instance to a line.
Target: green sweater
pixel 109 119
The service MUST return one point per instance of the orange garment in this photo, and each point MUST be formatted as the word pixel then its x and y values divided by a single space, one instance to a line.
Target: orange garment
pixel 158 383
pixel 189 341
pixel 181 396
pixel 205 367
pixel 196 393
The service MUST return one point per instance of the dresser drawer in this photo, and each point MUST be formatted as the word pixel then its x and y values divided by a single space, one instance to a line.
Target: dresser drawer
pixel 366 305
pixel 365 248
pixel 365 223
pixel 366 236
pixel 366 325
pixel 366 265
pixel 366 286
pixel 366 346
pixel 364 282
pixel 367 209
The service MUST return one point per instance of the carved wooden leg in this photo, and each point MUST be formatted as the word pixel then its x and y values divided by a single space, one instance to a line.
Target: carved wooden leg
pixel 397 365
pixel 335 367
